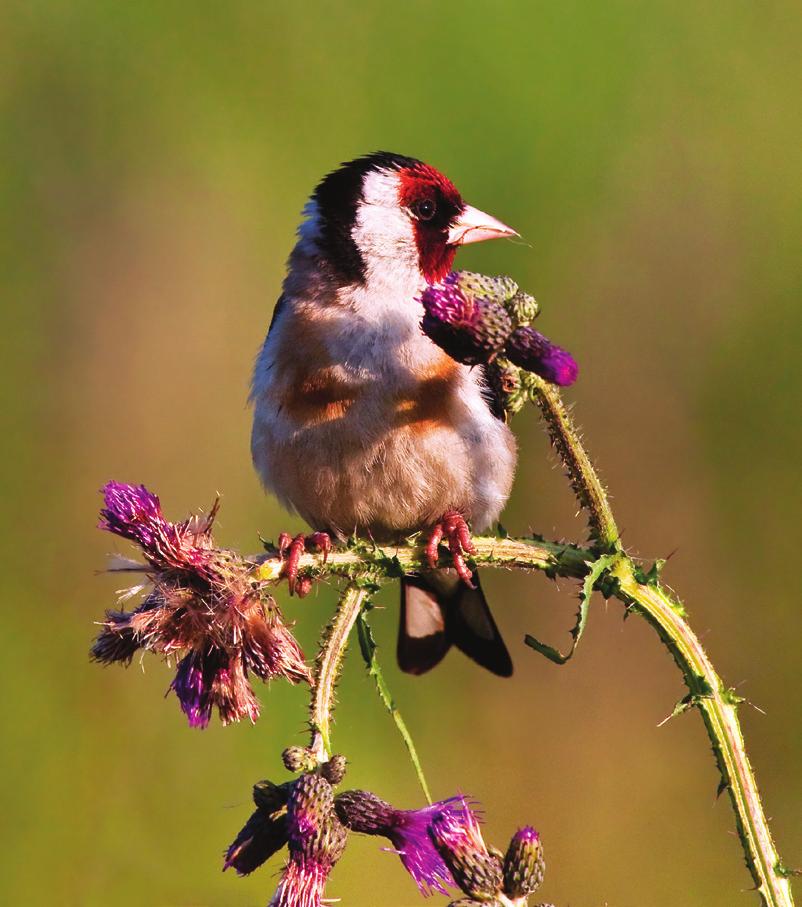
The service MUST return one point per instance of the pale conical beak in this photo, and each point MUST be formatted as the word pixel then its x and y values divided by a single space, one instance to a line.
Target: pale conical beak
pixel 474 225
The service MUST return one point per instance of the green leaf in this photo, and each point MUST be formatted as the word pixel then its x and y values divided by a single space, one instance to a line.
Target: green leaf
pixel 368 647
pixel 650 577
pixel 597 569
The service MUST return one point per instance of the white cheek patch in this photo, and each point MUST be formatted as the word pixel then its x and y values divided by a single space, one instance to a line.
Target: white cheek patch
pixel 383 229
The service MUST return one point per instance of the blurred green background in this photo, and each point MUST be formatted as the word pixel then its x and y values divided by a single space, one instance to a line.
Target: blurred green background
pixel 155 158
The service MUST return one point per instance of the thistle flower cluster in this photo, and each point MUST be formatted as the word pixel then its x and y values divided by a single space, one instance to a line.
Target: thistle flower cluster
pixel 476 319
pixel 440 845
pixel 204 608
pixel 300 816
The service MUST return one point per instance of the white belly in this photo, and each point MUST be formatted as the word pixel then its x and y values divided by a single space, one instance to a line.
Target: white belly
pixel 398 456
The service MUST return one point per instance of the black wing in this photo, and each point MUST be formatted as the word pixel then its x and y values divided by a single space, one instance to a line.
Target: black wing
pixel 492 390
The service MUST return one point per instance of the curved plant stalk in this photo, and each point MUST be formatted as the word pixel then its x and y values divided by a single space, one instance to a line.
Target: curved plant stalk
pixel 351 610
pixel 328 665
pixel 717 703
pixel 584 480
pixel 622 577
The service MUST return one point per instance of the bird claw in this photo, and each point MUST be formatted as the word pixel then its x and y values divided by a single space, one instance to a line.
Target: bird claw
pixel 453 528
pixel 290 550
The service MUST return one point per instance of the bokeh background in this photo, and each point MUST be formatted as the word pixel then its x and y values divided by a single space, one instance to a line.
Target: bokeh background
pixel 155 157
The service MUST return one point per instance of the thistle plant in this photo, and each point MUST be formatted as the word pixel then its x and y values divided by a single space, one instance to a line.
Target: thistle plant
pixel 211 612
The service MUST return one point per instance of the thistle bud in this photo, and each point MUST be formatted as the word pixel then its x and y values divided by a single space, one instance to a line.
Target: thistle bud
pixel 523 308
pixel 364 812
pixel 506 393
pixel 334 770
pixel 480 286
pixel 523 864
pixel 298 759
pixel 458 839
pixel 533 352
pixel 310 808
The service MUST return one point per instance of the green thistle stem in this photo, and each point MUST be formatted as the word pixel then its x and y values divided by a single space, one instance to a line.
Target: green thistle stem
pixel 327 669
pixel 584 480
pixel 718 705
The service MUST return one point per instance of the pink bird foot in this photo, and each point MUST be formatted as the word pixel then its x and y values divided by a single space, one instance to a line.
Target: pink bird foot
pixel 290 550
pixel 453 528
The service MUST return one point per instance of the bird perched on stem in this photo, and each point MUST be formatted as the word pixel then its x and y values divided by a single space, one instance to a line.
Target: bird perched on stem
pixel 362 425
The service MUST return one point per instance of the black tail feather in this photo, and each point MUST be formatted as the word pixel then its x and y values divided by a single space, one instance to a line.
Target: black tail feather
pixel 437 611
pixel 422 639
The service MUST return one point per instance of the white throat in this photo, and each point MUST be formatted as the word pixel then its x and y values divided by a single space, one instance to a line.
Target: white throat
pixel 384 235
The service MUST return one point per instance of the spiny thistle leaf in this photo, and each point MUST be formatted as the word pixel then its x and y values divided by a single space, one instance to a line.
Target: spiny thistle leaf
pixel 594 574
pixel 650 577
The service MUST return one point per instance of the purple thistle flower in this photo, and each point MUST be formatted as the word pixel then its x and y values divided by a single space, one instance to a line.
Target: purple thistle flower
pixel 470 328
pixel 316 840
pixel 131 511
pixel 407 830
pixel 210 678
pixel 458 839
pixel 523 863
pixel 204 605
pixel 533 352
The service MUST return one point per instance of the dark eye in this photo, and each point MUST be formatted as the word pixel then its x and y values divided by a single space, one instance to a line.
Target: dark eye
pixel 425 209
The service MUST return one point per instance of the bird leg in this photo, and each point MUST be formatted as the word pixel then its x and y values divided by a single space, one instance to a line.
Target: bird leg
pixel 290 550
pixel 453 528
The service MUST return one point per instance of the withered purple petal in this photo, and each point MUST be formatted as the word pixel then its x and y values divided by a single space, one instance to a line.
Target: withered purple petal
pixel 193 687
pixel 117 640
pixel 133 512
pixel 261 837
